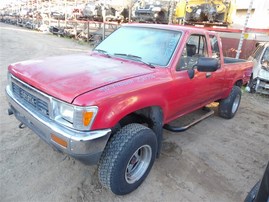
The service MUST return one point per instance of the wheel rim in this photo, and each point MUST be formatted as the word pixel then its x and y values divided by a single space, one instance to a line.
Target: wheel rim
pixel 138 164
pixel 236 103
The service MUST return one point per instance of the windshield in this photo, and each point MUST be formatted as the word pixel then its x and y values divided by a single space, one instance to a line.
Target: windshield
pixel 154 46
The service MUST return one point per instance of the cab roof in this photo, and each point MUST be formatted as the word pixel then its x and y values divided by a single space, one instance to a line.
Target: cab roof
pixel 169 27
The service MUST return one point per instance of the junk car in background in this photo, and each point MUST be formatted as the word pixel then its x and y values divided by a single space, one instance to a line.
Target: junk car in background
pixel 259 81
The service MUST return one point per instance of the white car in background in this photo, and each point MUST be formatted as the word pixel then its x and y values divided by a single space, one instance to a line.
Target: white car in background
pixel 259 81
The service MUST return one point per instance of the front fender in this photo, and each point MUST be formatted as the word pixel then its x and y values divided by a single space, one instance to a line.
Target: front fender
pixel 119 99
pixel 114 109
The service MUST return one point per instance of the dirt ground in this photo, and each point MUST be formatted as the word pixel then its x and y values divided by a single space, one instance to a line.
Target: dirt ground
pixel 216 160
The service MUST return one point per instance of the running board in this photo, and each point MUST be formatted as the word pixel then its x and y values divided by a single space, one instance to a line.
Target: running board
pixel 183 128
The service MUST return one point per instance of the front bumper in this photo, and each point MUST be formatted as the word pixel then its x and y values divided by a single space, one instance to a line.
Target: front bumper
pixel 86 146
pixel 262 86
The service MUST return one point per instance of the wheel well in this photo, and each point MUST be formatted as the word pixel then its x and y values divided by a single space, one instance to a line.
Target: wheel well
pixel 140 116
pixel 151 117
pixel 239 83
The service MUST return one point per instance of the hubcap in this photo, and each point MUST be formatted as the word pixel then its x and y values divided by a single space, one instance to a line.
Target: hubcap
pixel 236 103
pixel 138 164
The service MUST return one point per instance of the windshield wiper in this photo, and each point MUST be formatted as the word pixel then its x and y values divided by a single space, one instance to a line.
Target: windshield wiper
pixel 103 52
pixel 135 57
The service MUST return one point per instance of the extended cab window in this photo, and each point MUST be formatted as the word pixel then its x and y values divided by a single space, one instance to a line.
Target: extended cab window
pixel 193 49
pixel 214 46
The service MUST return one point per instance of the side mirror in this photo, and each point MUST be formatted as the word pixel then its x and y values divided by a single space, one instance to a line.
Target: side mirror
pixel 191 73
pixel 207 64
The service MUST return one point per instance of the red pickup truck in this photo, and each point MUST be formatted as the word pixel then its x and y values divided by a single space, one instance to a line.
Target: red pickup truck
pixel 110 106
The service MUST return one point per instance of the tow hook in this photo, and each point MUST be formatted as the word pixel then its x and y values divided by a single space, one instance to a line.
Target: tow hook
pixel 21 126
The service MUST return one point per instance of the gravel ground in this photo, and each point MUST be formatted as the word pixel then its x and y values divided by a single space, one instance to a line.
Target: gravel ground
pixel 216 160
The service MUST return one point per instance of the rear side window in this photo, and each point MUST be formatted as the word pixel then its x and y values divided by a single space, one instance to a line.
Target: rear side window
pixel 214 46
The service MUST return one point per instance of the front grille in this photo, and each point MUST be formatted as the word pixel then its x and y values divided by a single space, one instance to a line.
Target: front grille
pixel 30 100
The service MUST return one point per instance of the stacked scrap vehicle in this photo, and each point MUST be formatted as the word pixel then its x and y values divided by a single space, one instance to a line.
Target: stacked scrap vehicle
pixel 97 11
pixel 151 12
pixel 204 12
pixel 191 12
pixel 91 11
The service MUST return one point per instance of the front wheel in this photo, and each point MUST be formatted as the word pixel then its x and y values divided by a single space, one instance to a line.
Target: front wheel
pixel 127 158
pixel 229 106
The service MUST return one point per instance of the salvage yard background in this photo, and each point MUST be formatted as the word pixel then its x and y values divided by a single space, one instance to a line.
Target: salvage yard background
pixel 216 160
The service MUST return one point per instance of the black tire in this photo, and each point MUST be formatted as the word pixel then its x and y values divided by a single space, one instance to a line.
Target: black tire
pixel 229 106
pixel 252 84
pixel 253 192
pixel 120 152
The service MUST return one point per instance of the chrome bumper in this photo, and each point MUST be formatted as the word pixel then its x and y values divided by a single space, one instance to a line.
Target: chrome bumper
pixel 86 146
pixel 262 86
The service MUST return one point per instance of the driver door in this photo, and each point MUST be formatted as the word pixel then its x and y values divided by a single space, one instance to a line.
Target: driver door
pixel 189 92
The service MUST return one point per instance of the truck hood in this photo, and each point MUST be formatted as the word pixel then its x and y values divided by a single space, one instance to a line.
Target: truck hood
pixel 66 77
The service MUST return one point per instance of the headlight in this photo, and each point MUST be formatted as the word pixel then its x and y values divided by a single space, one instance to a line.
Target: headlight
pixel 66 112
pixel 80 118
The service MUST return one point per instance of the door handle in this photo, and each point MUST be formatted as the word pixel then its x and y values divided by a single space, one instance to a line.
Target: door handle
pixel 208 74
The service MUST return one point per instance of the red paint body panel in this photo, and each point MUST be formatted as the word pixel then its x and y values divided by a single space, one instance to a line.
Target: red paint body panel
pixel 66 77
pixel 119 87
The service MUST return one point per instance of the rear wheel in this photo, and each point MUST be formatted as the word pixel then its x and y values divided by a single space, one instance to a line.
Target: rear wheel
pixel 229 106
pixel 127 158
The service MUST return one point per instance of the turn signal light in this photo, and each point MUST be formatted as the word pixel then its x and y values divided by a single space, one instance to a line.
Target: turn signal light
pixel 58 140
pixel 87 117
